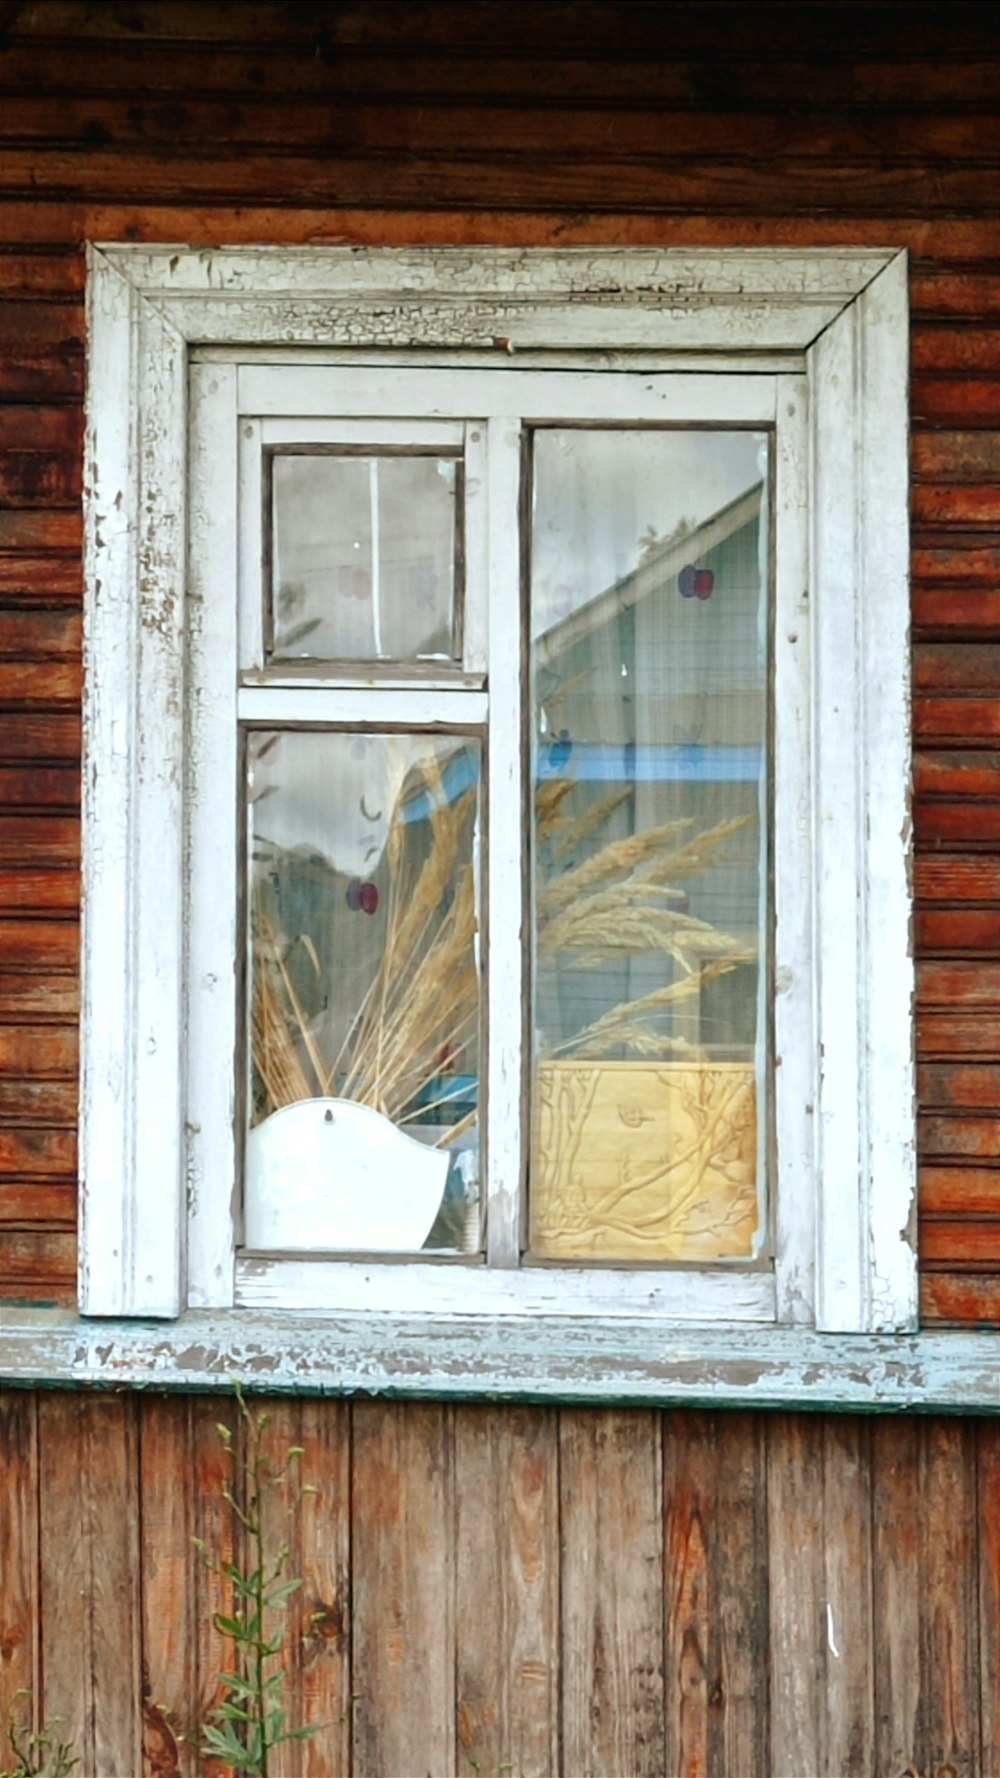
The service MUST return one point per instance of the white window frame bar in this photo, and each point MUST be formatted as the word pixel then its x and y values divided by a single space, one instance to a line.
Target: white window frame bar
pixel 838 316
pixel 322 1281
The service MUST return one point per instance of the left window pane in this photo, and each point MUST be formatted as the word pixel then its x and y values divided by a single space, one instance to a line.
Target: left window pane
pixel 363 992
pixel 365 557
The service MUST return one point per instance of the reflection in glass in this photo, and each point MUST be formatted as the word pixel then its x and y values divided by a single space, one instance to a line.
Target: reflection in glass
pixel 649 696
pixel 364 556
pixel 363 942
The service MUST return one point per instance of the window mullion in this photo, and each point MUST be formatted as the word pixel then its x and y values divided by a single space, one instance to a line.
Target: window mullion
pixel 507 824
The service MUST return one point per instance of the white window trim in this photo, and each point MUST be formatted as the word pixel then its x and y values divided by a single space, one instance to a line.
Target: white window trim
pixel 836 321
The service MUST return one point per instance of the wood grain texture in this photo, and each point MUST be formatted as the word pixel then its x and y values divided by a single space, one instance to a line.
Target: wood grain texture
pixel 89 1579
pixel 403 1694
pixel 602 123
pixel 317 1528
pixel 826 1588
pixel 950 1603
pixel 611 1518
pixel 960 1298
pixel 896 1594
pixel 507 1562
pixel 20 1616
pixel 716 1632
pixel 987 1440
pixel 820 1597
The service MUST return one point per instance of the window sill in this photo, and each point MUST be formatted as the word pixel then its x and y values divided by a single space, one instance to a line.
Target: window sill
pixel 508 1358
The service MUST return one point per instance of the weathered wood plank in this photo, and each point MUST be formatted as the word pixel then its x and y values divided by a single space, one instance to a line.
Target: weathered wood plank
pixel 40 682
pixel 949 1589
pixel 987 1441
pixel 51 891
pixel 43 1152
pixel 951 719
pixel 239 70
pixel 40 479
pixel 318 1634
pixel 847 1553
pixel 31 997
pixel 715 1595
pixel 53 736
pixel 896 1588
pixel 171 1582
pixel 507 1561
pixel 960 1297
pixel 599 1359
pixel 26 533
pixel 969 1239
pixel 445 26
pixel 38 1265
pixel 956 877
pixel 963 505
pixel 959 984
pixel 955 401
pixel 956 666
pixel 955 456
pixel 942 347
pixel 40 787
pixel 955 611
pixel 463 181
pixel 35 635
pixel 821 1630
pixel 64 1571
pixel 32 1203
pixel 952 563
pixel 973 824
pixel 364 124
pixel 403 1590
pixel 611 1486
pixel 40 839
pixel 50 577
pixel 960 1191
pixel 45 1051
pixel 963 1034
pixel 969 774
pixel 956 930
pixel 796 1598
pixel 972 1138
pixel 50 1103
pixel 20 1615
pixel 39 944
pixel 89 1578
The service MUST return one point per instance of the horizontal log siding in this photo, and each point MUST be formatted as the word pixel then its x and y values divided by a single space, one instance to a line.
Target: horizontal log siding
pixel 639 123
pixel 530 1591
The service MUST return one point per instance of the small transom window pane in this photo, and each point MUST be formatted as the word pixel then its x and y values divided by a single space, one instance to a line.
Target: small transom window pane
pixel 364 992
pixel 649 652
pixel 365 556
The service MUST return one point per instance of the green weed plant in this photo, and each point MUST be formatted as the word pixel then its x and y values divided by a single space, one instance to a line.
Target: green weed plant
pixel 251 1720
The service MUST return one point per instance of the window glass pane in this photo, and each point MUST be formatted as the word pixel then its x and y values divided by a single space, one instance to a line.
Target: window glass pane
pixel 649 651
pixel 364 552
pixel 364 987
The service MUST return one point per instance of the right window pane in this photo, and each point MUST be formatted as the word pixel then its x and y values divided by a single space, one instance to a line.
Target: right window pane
pixel 650 645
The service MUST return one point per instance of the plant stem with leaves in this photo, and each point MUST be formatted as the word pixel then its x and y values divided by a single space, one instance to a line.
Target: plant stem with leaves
pixel 38 1754
pixel 251 1721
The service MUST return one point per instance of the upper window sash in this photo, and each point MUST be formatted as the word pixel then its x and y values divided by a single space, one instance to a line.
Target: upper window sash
pixel 840 320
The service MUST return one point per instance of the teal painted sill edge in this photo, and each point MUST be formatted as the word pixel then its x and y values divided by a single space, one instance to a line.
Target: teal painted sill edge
pixel 514 1358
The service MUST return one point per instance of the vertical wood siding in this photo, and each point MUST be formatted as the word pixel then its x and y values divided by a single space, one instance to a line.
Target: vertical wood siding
pixel 197 121
pixel 530 1592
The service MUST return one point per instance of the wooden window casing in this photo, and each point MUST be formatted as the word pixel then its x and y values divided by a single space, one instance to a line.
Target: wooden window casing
pixel 831 326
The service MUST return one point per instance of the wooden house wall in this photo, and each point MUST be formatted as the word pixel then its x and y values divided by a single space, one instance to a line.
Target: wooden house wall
pixel 522 1591
pixel 565 1590
pixel 199 121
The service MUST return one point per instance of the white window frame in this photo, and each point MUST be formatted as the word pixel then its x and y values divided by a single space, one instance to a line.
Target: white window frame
pixel 828 332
